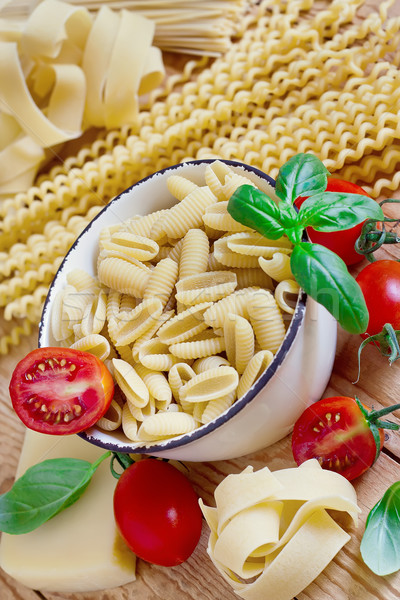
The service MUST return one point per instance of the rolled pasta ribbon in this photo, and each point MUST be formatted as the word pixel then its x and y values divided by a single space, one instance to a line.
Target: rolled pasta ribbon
pixel 266 525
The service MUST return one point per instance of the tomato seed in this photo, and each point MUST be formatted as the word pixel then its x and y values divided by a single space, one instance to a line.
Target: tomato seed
pixel 41 366
pixel 337 417
pixel 63 362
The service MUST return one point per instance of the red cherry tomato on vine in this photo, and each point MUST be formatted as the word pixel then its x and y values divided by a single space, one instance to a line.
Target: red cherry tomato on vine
pixel 380 285
pixel 338 433
pixel 341 242
pixel 60 390
pixel 157 512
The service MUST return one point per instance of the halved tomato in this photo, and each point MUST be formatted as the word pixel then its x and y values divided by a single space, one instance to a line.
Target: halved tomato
pixel 60 390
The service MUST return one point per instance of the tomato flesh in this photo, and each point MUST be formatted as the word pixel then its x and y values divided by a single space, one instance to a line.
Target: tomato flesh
pixel 60 390
pixel 341 242
pixel 336 433
pixel 157 512
pixel 380 284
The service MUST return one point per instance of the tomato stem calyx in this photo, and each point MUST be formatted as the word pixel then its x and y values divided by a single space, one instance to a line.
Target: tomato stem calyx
pixel 387 341
pixel 373 418
pixel 372 238
pixel 124 460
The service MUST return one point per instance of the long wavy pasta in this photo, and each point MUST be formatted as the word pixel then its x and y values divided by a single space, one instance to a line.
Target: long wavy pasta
pixel 296 81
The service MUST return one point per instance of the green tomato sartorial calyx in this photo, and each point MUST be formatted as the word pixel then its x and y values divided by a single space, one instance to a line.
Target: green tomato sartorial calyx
pixel 319 271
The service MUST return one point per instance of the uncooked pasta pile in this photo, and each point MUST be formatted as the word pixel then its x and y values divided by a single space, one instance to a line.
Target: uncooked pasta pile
pixel 301 78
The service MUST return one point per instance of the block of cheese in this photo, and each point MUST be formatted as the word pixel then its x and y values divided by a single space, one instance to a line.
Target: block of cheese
pixel 80 549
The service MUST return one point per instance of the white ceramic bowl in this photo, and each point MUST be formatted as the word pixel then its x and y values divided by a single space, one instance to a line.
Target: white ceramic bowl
pixel 296 377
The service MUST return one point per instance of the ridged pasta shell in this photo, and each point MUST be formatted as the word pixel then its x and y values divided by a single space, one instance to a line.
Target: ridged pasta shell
pixel 266 319
pixel 156 382
pixel 229 258
pixel 194 253
pixel 239 341
pixel 217 217
pixel 216 407
pixel 123 276
pixel 95 344
pixel 254 370
pixel 130 325
pixel 209 362
pixel 210 385
pixel 234 303
pixel 184 325
pixel 130 383
pixel 277 267
pixel 165 425
pixel 254 244
pixel 206 287
pixel 215 175
pixel 162 281
pixel 286 287
pixel 156 355
pixel 137 246
pixel 198 348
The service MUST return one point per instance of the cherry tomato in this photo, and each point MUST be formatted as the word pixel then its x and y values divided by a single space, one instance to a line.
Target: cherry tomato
pixel 341 242
pixel 60 390
pixel 337 433
pixel 157 512
pixel 380 284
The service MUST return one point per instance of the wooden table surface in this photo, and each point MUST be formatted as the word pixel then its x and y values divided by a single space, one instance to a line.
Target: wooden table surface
pixel 345 578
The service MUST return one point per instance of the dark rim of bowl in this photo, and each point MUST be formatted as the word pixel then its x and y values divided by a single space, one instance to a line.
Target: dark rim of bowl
pixel 239 404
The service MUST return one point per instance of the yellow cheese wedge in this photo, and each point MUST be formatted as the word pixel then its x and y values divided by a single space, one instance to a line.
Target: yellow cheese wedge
pixel 79 550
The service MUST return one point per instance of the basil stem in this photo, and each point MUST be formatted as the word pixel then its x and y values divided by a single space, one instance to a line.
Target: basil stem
pixel 301 175
pixel 43 491
pixel 380 548
pixel 324 276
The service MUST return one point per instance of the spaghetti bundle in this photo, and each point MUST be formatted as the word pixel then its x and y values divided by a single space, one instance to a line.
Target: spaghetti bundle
pixel 297 80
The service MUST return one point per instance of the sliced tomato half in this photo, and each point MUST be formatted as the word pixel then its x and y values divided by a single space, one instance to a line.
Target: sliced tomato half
pixel 60 390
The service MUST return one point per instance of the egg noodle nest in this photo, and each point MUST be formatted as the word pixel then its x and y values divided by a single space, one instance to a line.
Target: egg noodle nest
pixel 300 76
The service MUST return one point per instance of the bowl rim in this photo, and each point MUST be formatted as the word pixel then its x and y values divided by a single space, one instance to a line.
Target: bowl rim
pixel 238 405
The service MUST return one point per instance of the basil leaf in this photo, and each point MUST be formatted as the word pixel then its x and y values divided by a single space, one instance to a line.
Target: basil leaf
pixel 333 211
pixel 43 491
pixel 301 175
pixel 324 276
pixel 253 208
pixel 380 548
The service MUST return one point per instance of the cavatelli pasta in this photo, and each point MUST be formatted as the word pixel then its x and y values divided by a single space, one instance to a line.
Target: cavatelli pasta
pixel 130 383
pixel 148 346
pixel 205 287
pixel 162 280
pixel 165 425
pixel 123 276
pixel 266 319
pixel 284 288
pixel 277 267
pixel 184 325
pixel 194 253
pixel 112 419
pixel 210 385
pixel 256 367
pixel 94 344
pixel 239 341
pixel 130 325
pixel 214 408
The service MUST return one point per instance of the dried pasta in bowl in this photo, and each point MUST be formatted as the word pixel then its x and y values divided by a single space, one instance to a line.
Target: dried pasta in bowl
pixel 184 336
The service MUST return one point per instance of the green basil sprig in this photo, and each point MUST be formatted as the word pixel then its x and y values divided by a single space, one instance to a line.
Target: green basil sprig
pixel 321 273
pixel 380 548
pixel 43 491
